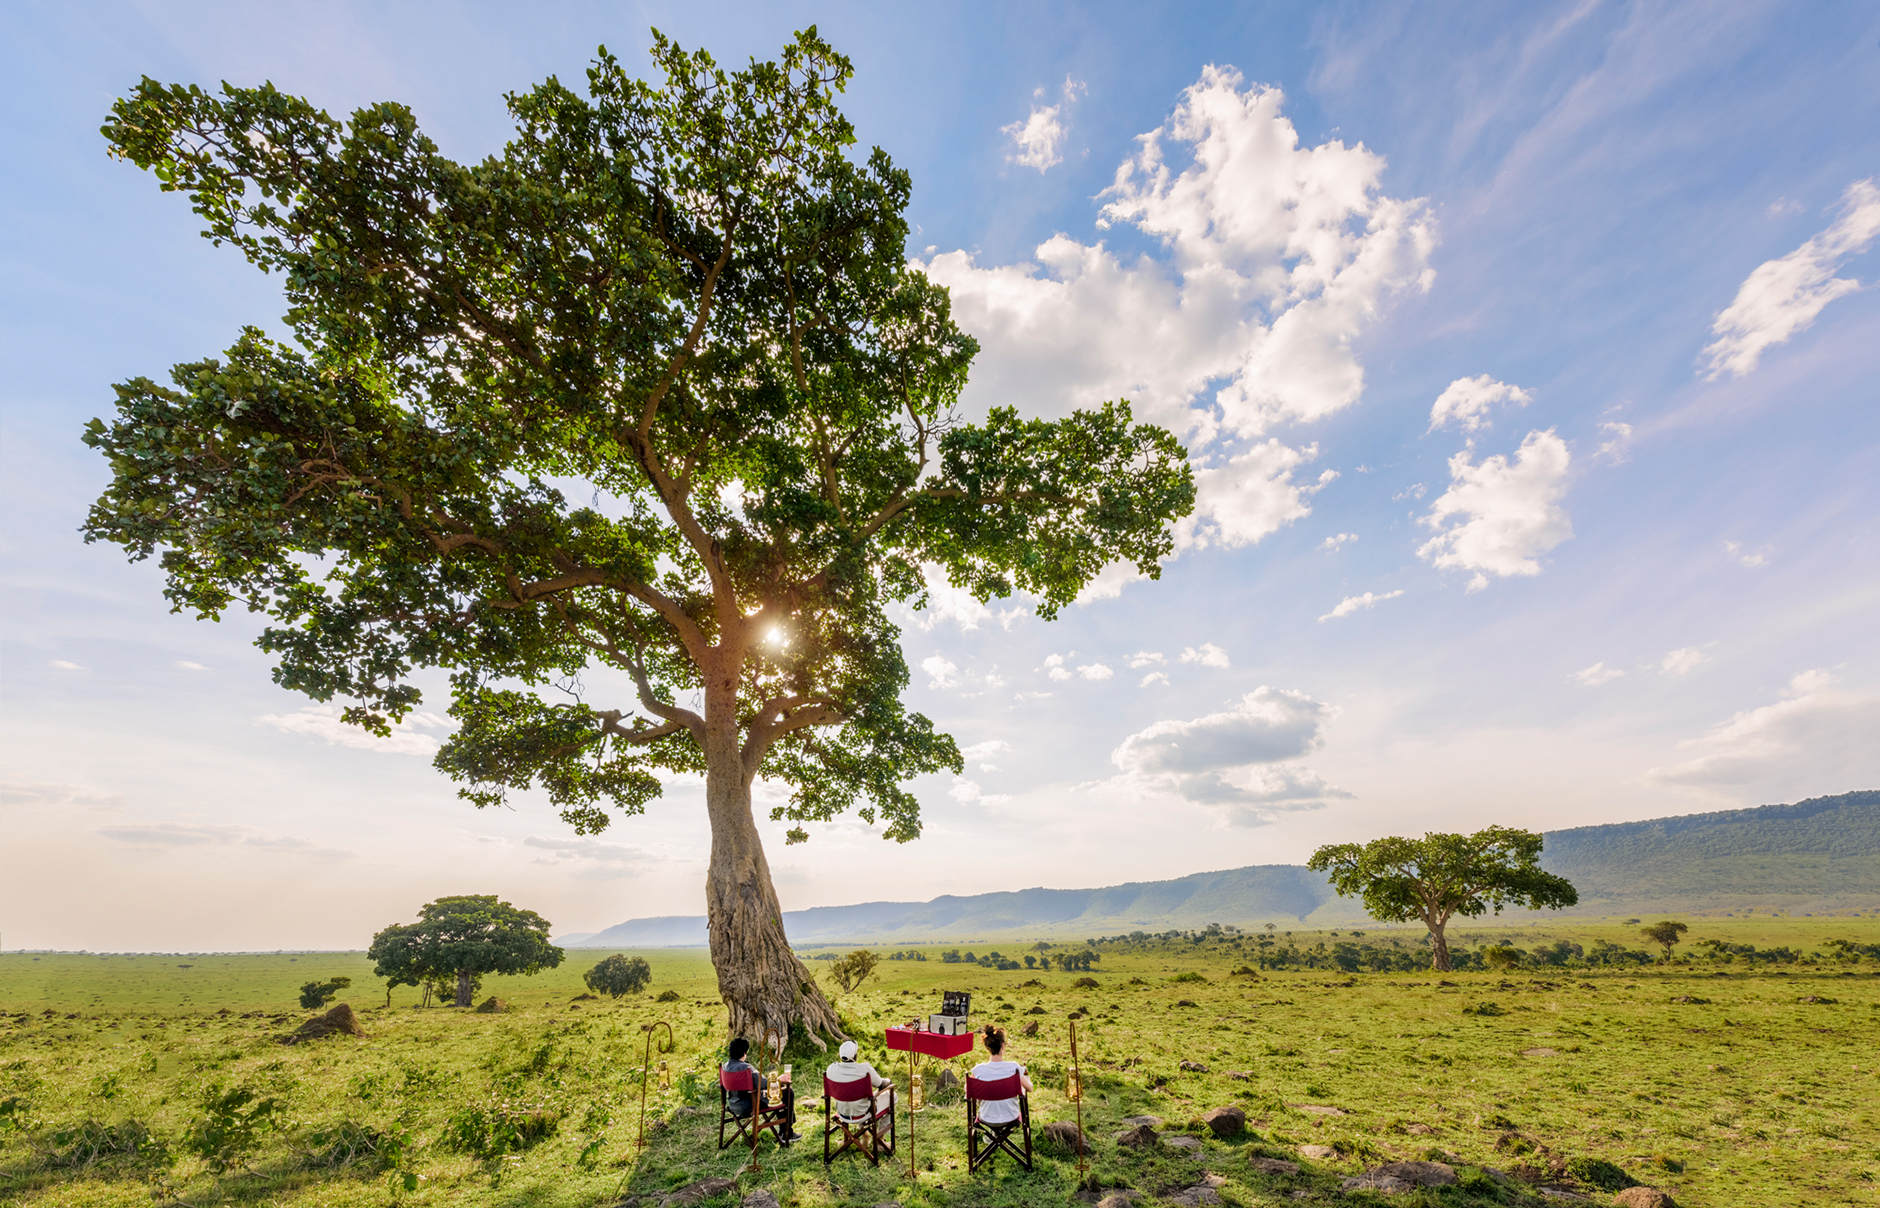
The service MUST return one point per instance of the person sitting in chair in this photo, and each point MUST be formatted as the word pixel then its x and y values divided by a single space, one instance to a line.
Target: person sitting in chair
pixel 848 1069
pixel 999 1111
pixel 740 1103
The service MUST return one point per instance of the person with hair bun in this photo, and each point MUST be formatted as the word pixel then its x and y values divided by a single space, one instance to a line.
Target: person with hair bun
pixel 999 1111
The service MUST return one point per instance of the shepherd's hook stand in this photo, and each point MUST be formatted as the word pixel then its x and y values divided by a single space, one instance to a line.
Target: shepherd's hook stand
pixel 646 1069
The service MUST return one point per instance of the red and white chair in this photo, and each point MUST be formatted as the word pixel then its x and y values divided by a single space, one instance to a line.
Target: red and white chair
pixel 862 1134
pixel 985 1139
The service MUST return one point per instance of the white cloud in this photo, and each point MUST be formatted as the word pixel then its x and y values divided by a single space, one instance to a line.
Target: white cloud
pixel 1108 583
pixel 1275 259
pixel 186 665
pixel 1038 139
pixel 1415 490
pixel 1783 296
pixel 980 752
pixel 1146 658
pixel 1154 677
pixel 52 795
pixel 1095 671
pixel 1614 448
pixel 1682 660
pixel 63 665
pixel 1510 512
pixel 1758 558
pixel 323 721
pixel 1814 739
pixel 1351 604
pixel 1207 654
pixel 942 674
pixel 1465 402
pixel 1338 540
pixel 946 602
pixel 159 836
pixel 1241 759
pixel 1597 674
pixel 968 792
pixel 609 857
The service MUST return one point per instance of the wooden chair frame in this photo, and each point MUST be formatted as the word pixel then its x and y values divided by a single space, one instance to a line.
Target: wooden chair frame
pixel 862 1135
pixel 985 1139
pixel 762 1118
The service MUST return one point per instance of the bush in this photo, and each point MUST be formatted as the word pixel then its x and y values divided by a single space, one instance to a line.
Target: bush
pixel 1487 1008
pixel 492 1131
pixel 316 994
pixel 349 1143
pixel 82 1146
pixel 618 975
pixel 1597 1172
pixel 231 1126
pixel 1085 983
pixel 1190 978
pixel 667 996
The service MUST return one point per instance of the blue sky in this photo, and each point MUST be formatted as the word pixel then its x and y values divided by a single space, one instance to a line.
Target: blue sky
pixel 1527 356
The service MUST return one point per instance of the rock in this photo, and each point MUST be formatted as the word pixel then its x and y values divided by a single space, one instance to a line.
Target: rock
pixel 1195 1197
pixel 1643 1197
pixel 1035 1011
pixel 492 1006
pixel 340 1020
pixel 584 998
pixel 1187 1002
pixel 760 1199
pixel 1273 1166
pixel 1383 1184
pixel 1191 1146
pixel 1225 1122
pixel 1419 1174
pixel 1064 1134
pixel 1030 1029
pixel 1118 1199
pixel 1318 1153
pixel 692 1193
pixel 1561 1193
pixel 1237 1076
pixel 1194 1067
pixel 1151 1121
pixel 1140 1137
pixel 1419 1130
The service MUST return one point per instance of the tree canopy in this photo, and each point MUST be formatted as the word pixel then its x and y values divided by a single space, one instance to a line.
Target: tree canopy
pixel 1434 878
pixel 1667 935
pixel 462 938
pixel 636 429
pixel 618 975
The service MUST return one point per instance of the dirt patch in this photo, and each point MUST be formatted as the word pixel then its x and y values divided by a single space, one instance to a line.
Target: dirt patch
pixel 340 1020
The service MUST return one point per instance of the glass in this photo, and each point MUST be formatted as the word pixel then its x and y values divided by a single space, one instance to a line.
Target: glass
pixel 1073 1086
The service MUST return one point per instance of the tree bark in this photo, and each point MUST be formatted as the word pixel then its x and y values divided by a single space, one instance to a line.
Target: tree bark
pixel 464 989
pixel 1440 962
pixel 762 983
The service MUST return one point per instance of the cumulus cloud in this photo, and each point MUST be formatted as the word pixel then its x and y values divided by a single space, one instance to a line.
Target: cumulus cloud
pixel 1682 660
pixel 323 721
pixel 968 792
pixel 1813 738
pixel 1244 758
pixel 1207 654
pixel 1498 517
pixel 980 752
pixel 1338 540
pixel 1274 258
pixel 1466 401
pixel 1597 674
pixel 1351 604
pixel 63 665
pixel 1618 437
pixel 1154 677
pixel 941 673
pixel 1782 297
pixel 1752 559
pixel 1146 658
pixel 945 602
pixel 1095 671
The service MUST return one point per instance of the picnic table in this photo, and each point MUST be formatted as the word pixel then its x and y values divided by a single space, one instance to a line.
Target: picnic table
pixel 931 1044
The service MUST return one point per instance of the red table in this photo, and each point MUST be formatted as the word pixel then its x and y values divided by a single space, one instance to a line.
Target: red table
pixel 933 1044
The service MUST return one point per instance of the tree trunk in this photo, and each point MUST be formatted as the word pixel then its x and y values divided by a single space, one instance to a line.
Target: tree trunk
pixel 464 988
pixel 1440 946
pixel 762 983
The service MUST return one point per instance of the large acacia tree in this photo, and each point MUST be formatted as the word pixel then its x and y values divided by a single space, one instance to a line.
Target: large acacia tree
pixel 636 428
pixel 1435 878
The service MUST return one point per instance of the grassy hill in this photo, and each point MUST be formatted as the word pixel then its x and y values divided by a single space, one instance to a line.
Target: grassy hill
pixel 1817 856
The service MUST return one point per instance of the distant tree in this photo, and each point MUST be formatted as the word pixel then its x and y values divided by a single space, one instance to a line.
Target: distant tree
pixel 618 975
pixel 1666 935
pixel 853 969
pixel 1031 962
pixel 316 994
pixel 1437 877
pixel 1501 957
pixel 463 938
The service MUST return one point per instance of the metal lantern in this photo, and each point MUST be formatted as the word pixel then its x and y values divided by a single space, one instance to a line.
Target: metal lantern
pixel 914 1101
pixel 1073 1086
pixel 773 1090
pixel 665 1077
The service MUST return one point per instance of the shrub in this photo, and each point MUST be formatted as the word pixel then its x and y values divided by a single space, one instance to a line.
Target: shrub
pixel 667 996
pixel 316 994
pixel 618 975
pixel 92 1143
pixel 1487 1008
pixel 1597 1172
pixel 349 1143
pixel 231 1126
pixel 491 1131
pixel 1189 978
pixel 1085 983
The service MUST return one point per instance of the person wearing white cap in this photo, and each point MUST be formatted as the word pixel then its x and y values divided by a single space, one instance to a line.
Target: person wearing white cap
pixel 848 1069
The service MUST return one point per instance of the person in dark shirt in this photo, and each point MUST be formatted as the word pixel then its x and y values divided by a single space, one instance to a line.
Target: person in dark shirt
pixel 740 1102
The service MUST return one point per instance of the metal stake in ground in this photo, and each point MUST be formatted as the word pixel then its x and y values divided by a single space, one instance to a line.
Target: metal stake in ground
pixel 646 1069
pixel 1074 1091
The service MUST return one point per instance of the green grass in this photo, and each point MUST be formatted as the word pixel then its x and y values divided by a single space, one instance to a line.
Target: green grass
pixel 1745 1095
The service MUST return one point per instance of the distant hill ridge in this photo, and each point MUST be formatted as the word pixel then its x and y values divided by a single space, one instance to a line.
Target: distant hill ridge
pixel 1818 855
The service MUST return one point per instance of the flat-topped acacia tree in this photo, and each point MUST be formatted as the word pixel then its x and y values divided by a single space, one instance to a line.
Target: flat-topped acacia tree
pixel 686 305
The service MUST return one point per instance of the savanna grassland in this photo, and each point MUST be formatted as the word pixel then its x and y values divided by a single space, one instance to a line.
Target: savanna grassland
pixel 128 1078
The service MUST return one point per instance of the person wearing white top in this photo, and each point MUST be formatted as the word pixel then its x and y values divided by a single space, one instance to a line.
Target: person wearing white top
pixel 999 1111
pixel 848 1069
